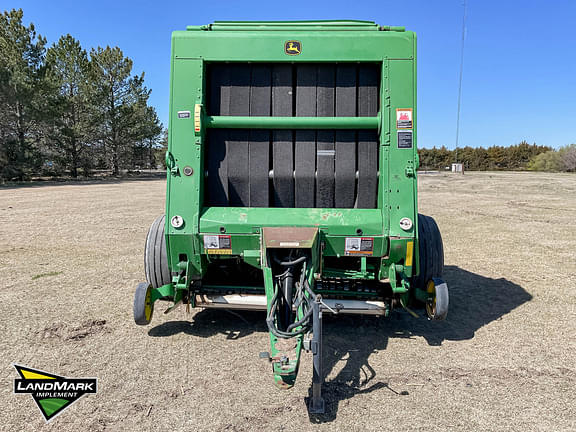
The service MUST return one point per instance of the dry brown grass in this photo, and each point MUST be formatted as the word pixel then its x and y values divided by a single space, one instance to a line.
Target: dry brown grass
pixel 71 256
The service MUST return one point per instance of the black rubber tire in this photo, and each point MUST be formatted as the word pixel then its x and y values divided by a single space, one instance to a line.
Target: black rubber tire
pixel 431 251
pixel 155 258
pixel 142 314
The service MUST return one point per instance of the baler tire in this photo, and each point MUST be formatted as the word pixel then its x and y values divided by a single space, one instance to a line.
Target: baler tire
pixel 438 261
pixel 155 257
pixel 143 308
pixel 431 252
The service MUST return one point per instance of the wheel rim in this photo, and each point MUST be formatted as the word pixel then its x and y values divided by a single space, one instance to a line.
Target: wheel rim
pixel 148 304
pixel 431 302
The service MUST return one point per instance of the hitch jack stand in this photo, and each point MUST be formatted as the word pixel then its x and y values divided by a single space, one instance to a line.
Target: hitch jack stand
pixel 316 405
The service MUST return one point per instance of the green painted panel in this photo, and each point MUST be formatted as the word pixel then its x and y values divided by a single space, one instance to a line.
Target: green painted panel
pixel 401 172
pixel 183 192
pixel 332 221
pixel 269 46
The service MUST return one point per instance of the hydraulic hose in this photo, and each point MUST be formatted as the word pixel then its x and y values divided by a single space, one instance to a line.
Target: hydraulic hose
pixel 303 296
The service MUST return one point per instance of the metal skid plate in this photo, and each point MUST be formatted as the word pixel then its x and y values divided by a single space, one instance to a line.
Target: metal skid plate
pixel 289 237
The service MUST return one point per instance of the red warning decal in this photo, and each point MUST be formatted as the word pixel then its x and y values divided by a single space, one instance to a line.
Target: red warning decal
pixel 404 118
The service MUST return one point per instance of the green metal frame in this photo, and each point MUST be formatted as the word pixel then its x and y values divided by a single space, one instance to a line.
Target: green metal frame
pixel 331 41
pixel 321 41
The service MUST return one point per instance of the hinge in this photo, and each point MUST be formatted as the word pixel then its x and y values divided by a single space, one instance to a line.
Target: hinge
pixel 410 169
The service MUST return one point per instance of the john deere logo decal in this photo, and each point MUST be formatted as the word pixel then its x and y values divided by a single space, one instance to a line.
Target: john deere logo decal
pixel 293 47
pixel 52 393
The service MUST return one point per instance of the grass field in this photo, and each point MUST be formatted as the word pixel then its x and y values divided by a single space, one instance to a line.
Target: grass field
pixel 505 359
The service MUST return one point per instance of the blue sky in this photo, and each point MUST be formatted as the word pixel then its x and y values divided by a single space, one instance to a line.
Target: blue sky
pixel 519 67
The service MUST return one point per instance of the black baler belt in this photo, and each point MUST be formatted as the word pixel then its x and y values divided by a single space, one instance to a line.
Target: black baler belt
pixel 367 169
pixel 219 92
pixel 237 143
pixel 283 157
pixel 305 140
pixel 345 155
pixel 259 168
pixel 305 158
pixel 324 138
pixel 367 140
pixel 219 104
pixel 282 140
pixel 259 145
pixel 345 169
pixel 217 183
pixel 325 169
pixel 237 160
pixel 368 90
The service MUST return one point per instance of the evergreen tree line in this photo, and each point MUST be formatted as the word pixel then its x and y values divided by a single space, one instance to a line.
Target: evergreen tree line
pixel 521 156
pixel 64 111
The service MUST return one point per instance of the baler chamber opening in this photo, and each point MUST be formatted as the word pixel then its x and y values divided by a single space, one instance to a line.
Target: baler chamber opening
pixel 292 168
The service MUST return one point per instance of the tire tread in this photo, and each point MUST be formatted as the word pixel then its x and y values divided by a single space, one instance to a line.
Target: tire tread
pixel 155 255
pixel 431 251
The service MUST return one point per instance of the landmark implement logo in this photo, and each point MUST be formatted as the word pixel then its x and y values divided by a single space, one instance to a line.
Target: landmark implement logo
pixel 52 393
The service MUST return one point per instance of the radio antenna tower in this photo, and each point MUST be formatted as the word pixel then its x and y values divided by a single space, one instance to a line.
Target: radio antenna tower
pixel 460 80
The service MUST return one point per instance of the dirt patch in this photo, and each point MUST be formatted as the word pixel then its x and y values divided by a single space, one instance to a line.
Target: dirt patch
pixel 73 333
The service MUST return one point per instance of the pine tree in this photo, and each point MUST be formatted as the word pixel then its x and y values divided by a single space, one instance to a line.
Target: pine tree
pixel 22 70
pixel 148 131
pixel 118 99
pixel 68 71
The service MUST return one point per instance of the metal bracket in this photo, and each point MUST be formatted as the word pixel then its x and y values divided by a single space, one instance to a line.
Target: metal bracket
pixel 174 306
pixel 403 288
pixel 317 405
pixel 171 163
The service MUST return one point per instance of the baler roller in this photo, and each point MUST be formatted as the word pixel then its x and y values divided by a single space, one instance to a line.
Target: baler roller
pixel 246 122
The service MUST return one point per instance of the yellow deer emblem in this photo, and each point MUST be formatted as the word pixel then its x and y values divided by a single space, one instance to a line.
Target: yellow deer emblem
pixel 292 47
